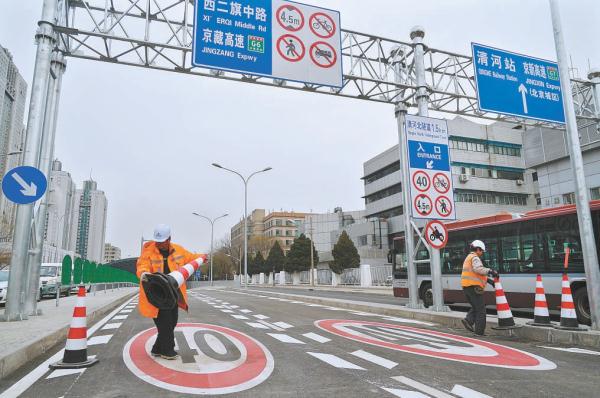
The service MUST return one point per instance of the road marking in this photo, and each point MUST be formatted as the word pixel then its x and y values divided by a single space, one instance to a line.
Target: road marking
pixel 284 338
pixel 335 361
pixel 218 306
pixel 273 298
pixel 120 317
pixel 316 337
pixel 239 316
pixel 99 339
pixel 360 313
pixel 314 305
pixel 406 320
pixel 298 302
pixel 234 306
pixel 257 325
pixel 260 316
pixel 367 356
pixel 405 393
pixel 125 311
pixel 224 302
pixel 64 372
pixel 464 392
pixel 574 350
pixel 334 309
pixel 422 387
pixel 245 311
pixel 283 325
pixel 110 326
pixel 270 325
pixel 227 311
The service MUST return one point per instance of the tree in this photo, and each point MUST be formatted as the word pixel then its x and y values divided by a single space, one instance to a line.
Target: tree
pixel 345 254
pixel 223 265
pixel 260 244
pixel 298 259
pixel 251 268
pixel 275 259
pixel 258 263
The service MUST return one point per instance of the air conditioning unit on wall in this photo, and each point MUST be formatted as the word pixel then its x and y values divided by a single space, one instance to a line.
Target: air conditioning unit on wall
pixel 520 182
pixel 463 178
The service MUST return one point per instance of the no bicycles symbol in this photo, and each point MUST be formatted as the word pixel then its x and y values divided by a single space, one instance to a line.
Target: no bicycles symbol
pixel 441 183
pixel 323 54
pixel 322 25
pixel 291 48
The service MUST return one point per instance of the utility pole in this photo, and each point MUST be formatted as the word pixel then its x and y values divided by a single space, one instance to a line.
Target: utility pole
pixel 582 200
pixel 212 233
pixel 312 260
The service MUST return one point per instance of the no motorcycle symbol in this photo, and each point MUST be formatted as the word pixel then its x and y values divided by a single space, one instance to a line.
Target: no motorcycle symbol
pixel 436 234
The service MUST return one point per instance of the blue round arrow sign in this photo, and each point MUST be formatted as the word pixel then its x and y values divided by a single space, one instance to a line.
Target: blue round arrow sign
pixel 24 184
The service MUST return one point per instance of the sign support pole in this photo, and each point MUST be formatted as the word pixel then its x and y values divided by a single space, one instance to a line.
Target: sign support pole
pixel 417 34
pixel 582 200
pixel 35 119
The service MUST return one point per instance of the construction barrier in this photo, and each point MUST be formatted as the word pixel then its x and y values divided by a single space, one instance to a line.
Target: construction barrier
pixel 505 316
pixel 541 316
pixel 568 316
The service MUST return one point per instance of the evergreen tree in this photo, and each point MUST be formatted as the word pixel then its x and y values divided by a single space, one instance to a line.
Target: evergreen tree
pixel 345 254
pixel 298 259
pixel 258 264
pixel 275 259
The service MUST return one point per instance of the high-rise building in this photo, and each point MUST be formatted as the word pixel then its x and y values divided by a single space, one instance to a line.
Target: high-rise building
pixel 283 226
pixel 13 92
pixel 111 253
pixel 89 222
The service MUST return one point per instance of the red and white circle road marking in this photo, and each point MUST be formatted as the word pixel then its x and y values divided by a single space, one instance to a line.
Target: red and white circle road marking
pixel 441 183
pixel 423 204
pixel 435 344
pixel 291 48
pixel 223 361
pixel 436 234
pixel 290 18
pixel 443 206
pixel 421 181
pixel 323 54
pixel 322 25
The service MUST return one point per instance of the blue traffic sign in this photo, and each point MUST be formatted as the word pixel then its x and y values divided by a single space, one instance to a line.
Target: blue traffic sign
pixel 24 184
pixel 428 156
pixel 517 85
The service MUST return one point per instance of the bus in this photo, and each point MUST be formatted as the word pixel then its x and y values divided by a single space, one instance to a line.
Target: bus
pixel 519 246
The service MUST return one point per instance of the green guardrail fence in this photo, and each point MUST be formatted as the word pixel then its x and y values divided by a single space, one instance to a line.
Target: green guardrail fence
pixel 86 272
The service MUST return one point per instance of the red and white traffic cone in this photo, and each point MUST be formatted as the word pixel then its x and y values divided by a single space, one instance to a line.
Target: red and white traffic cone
pixel 75 356
pixel 505 316
pixel 568 316
pixel 541 316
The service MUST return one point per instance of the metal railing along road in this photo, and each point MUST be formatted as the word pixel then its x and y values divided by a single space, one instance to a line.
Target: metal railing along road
pixel 350 276
pixel 381 275
pixel 324 277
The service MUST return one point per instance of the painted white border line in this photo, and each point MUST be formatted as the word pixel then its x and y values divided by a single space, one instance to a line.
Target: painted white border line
pixel 377 360
pixel 335 361
pixel 405 393
pixel 316 337
pixel 284 338
pixel 422 387
pixel 464 392
pixel 27 381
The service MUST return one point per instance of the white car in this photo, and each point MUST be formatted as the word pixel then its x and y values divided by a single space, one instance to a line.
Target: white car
pixel 3 285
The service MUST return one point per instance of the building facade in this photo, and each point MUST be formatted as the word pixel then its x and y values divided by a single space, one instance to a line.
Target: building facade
pixel 89 222
pixel 256 227
pixel 13 93
pixel 283 227
pixel 111 253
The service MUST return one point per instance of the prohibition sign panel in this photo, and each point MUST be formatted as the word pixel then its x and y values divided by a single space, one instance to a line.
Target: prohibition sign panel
pixel 322 25
pixel 323 54
pixel 421 181
pixel 443 206
pixel 436 234
pixel 213 360
pixel 291 48
pixel 441 183
pixel 290 17
pixel 423 205
pixel 447 346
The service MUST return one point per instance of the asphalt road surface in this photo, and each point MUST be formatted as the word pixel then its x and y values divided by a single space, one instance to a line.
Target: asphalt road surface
pixel 251 344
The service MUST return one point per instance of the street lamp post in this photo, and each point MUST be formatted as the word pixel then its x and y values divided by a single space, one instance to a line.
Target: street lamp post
pixel 212 233
pixel 246 180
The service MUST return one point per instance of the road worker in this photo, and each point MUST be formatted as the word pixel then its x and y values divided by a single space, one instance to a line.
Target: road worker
pixel 473 280
pixel 160 255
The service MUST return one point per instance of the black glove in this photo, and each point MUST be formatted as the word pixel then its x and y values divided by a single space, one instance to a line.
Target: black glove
pixel 493 273
pixel 491 282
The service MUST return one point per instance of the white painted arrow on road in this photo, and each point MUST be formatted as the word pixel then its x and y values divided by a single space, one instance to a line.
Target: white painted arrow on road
pixel 523 91
pixel 28 189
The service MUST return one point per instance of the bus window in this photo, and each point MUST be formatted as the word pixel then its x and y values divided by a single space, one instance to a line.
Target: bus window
pixel 533 254
pixel 490 258
pixel 511 254
pixel 453 256
pixel 560 232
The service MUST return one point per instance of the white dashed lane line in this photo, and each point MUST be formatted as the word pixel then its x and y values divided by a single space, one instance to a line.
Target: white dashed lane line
pixel 111 326
pixel 245 311
pixel 335 361
pixel 573 350
pixel 241 317
pixel 260 316
pixel 422 387
pixel 96 340
pixel 257 325
pixel 284 338
pixel 316 337
pixel 283 325
pixel 405 393
pixel 377 360
pixel 464 392
pixel 119 317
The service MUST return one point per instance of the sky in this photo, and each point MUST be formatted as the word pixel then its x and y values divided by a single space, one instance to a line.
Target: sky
pixel 149 138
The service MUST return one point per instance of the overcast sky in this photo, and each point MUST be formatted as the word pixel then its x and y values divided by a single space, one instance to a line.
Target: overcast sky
pixel 149 137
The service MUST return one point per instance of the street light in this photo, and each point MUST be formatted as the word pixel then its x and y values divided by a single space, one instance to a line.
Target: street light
pixel 246 180
pixel 212 230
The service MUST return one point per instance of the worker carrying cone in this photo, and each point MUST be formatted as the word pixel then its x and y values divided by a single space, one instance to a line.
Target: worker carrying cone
pixel 541 316
pixel 505 316
pixel 75 355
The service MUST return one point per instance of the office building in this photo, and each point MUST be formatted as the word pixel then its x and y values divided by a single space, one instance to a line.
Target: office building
pixel 256 221
pixel 111 253
pixel 89 222
pixel 283 226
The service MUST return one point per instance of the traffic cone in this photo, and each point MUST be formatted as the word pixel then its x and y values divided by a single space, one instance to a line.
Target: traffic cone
pixel 505 316
pixel 568 316
pixel 75 356
pixel 541 316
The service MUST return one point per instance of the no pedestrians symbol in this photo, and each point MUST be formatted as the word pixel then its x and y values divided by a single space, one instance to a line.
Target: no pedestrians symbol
pixel 323 54
pixel 291 48
pixel 443 206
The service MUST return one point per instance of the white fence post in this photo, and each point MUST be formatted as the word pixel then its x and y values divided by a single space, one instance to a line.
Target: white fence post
pixel 261 278
pixel 335 279
pixel 365 275
pixel 295 278
pixel 282 278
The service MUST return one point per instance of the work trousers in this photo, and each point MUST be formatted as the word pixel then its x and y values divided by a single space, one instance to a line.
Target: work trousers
pixel 476 315
pixel 165 323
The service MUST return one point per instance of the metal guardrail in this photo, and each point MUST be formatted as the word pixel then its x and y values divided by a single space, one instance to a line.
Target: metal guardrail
pixel 304 277
pixel 381 275
pixel 350 276
pixel 324 277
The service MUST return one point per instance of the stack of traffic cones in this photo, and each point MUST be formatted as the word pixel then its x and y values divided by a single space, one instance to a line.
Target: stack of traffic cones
pixel 505 316
pixel 541 316
pixel 75 356
pixel 568 316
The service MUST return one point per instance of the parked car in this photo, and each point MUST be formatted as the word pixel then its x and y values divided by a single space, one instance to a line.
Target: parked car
pixel 49 279
pixel 3 285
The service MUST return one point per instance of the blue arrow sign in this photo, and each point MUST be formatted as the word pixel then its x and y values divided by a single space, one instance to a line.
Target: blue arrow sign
pixel 24 184
pixel 517 85
pixel 428 156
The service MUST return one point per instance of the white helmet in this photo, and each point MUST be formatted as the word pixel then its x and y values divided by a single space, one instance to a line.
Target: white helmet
pixel 477 244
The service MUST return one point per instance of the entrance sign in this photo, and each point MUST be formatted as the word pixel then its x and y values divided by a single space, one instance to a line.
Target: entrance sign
pixel 436 234
pixel 213 360
pixel 24 184
pixel 429 164
pixel 434 344
pixel 269 38
pixel 517 85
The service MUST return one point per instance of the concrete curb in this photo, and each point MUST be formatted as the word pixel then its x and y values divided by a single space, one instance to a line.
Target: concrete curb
pixel 14 360
pixel 589 339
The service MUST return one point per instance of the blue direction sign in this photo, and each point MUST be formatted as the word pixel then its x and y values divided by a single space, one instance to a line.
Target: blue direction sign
pixel 517 85
pixel 24 184
pixel 429 156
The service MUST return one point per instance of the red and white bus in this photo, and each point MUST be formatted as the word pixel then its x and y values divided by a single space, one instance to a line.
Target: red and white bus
pixel 519 246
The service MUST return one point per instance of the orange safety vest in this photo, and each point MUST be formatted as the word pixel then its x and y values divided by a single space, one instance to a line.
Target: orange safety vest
pixel 470 278
pixel 152 261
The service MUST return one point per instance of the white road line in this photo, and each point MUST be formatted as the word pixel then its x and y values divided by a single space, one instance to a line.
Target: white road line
pixel 271 326
pixel 260 316
pixel 110 326
pixel 316 337
pixel 64 372
pixel 30 378
pixel 297 302
pixel 314 305
pixel 405 393
pixel 234 306
pixel 99 339
pixel 245 311
pixel 422 387
pixel 406 320
pixel 361 313
pixel 283 325
pixel 574 350
pixel 239 316
pixel 284 338
pixel 126 311
pixel 273 298
pixel 377 360
pixel 464 392
pixel 335 361
pixel 218 306
pixel 120 317
pixel 257 325
pixel 227 311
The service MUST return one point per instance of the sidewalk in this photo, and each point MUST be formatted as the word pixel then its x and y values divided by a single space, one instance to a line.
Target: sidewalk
pixel 21 342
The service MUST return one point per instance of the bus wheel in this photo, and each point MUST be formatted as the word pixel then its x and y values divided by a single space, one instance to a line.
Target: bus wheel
pixel 427 295
pixel 582 306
